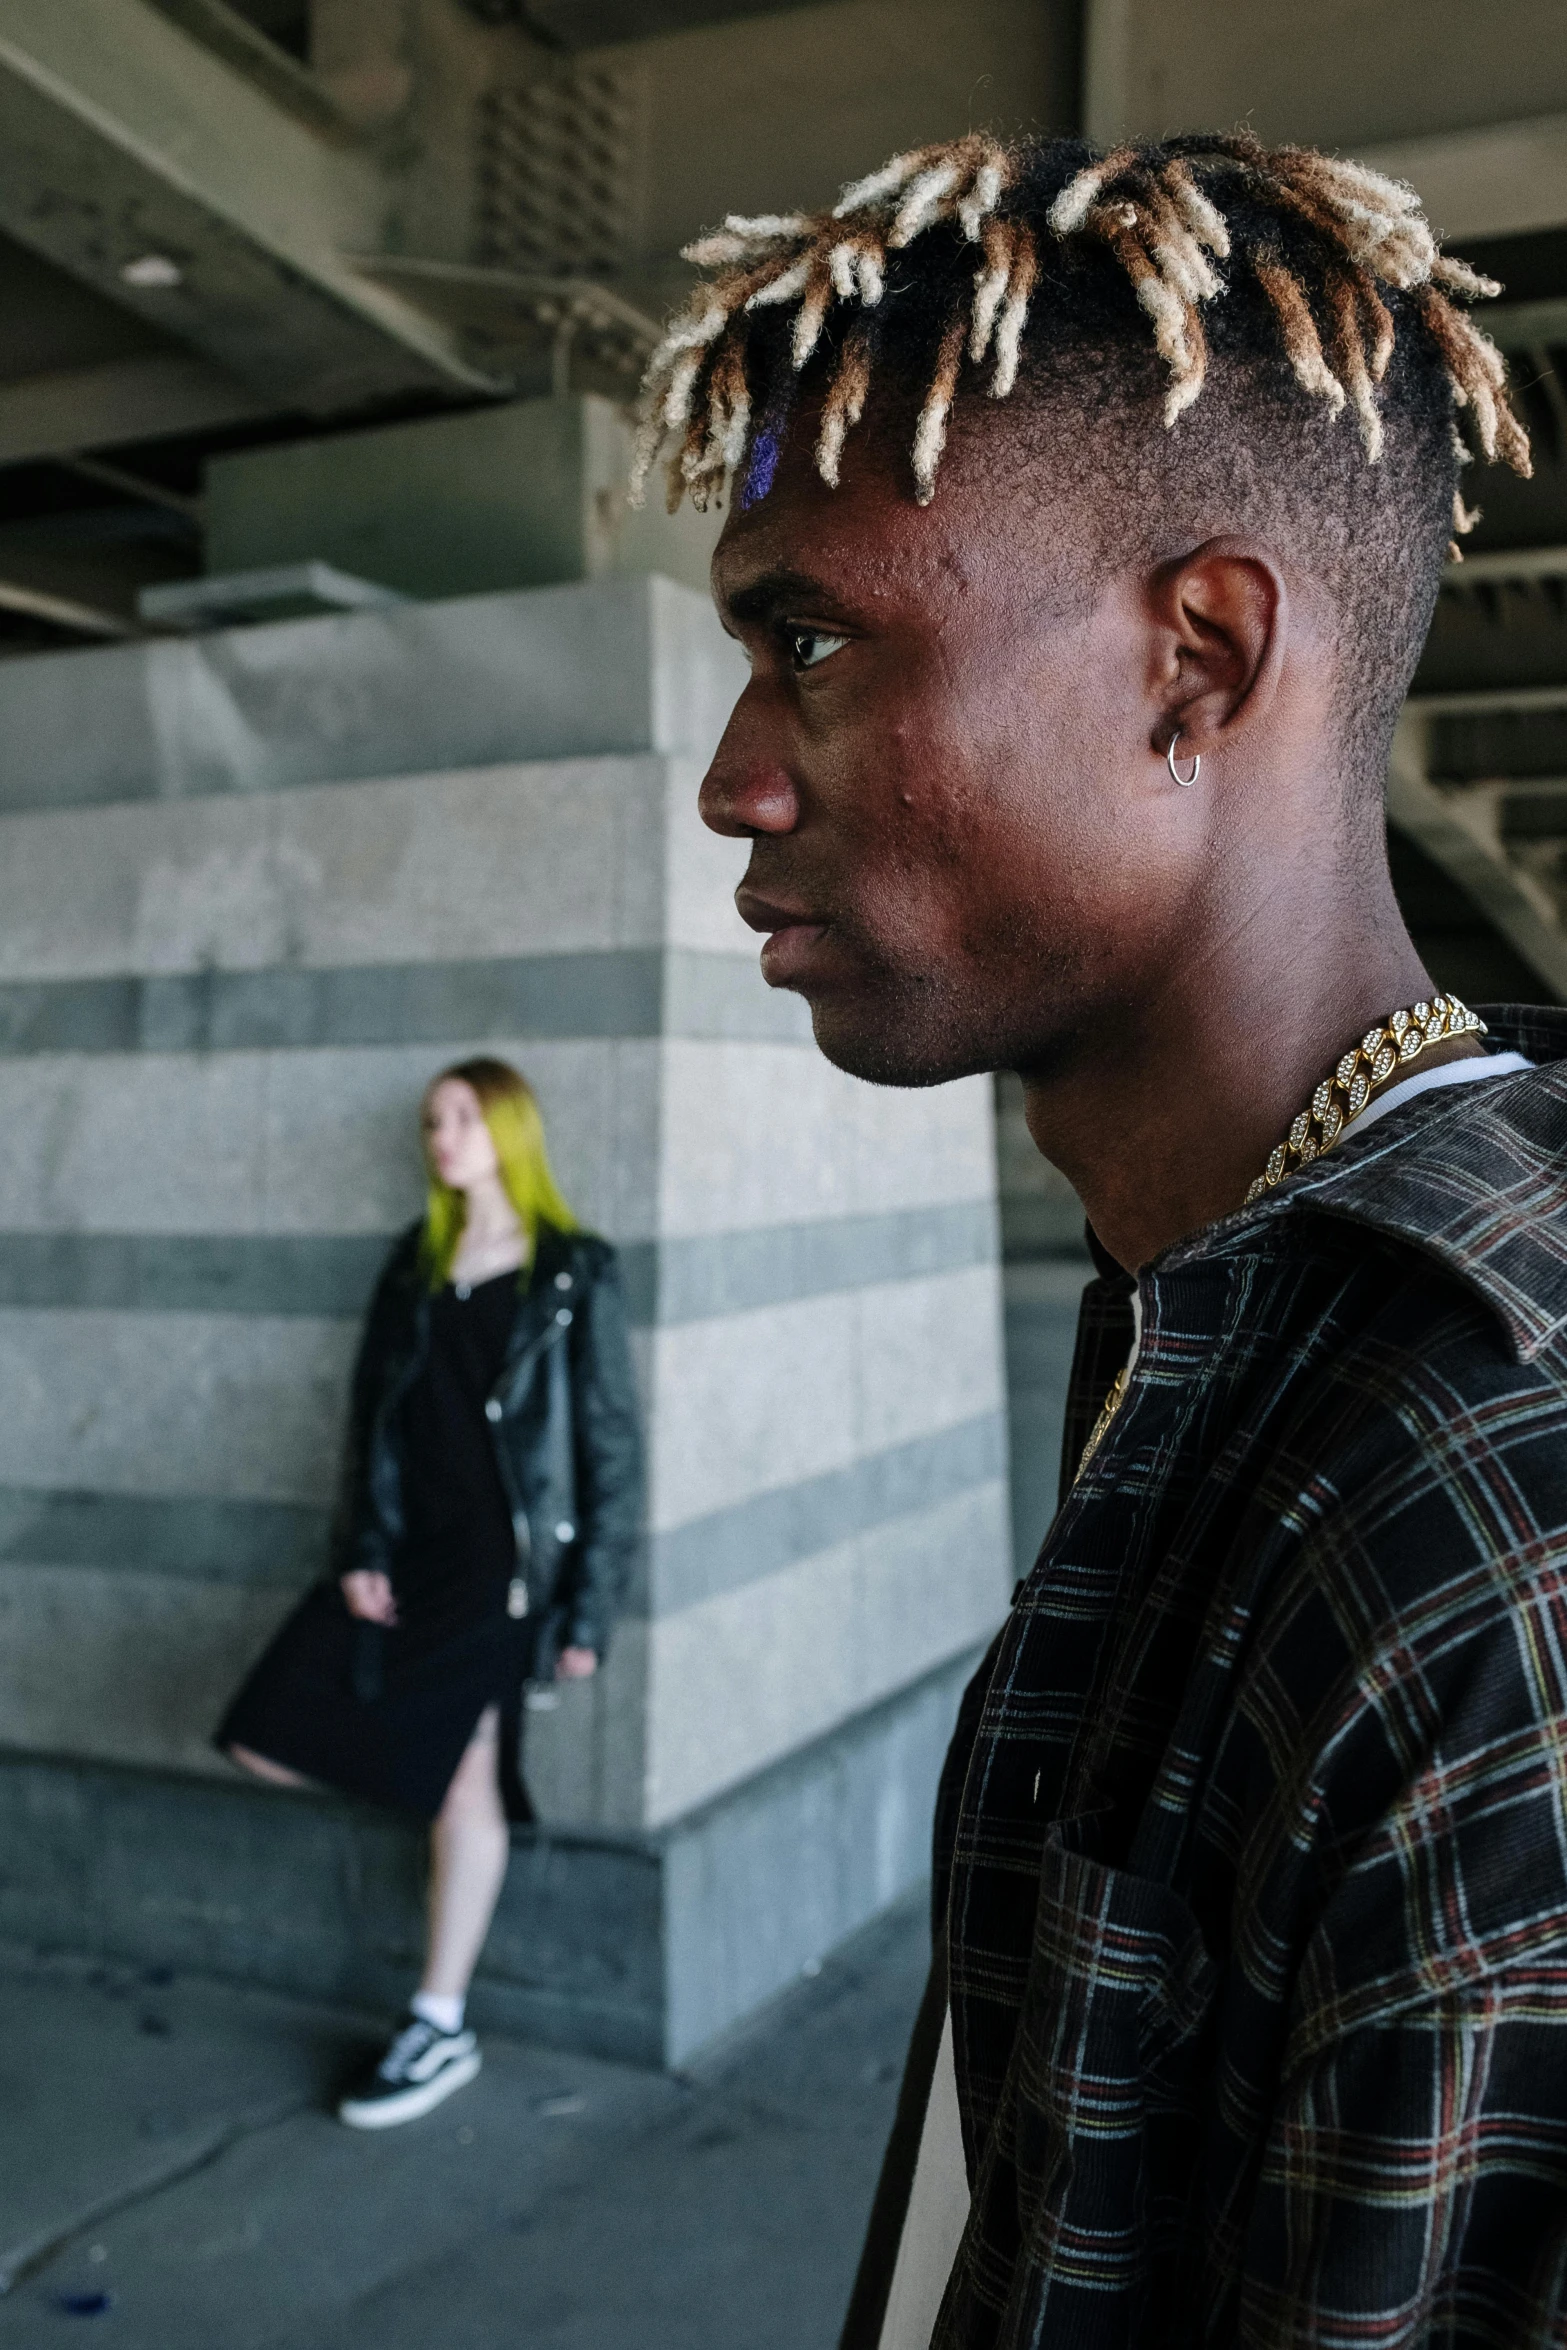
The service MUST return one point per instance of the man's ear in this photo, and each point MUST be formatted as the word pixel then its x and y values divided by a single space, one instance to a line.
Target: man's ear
pixel 1221 616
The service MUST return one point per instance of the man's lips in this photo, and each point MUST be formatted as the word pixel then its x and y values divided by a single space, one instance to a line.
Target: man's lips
pixel 793 936
pixel 787 957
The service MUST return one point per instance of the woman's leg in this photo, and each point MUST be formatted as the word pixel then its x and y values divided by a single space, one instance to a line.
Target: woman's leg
pixel 470 1845
pixel 431 2054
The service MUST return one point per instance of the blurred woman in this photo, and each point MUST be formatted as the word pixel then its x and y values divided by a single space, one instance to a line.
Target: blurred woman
pixel 490 1503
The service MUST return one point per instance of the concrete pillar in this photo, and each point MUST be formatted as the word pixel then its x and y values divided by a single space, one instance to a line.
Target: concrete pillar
pixel 254 889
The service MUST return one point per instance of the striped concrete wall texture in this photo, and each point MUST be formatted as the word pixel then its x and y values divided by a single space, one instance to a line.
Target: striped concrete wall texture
pixel 254 889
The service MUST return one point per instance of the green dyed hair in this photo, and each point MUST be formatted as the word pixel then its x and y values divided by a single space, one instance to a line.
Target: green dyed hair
pixel 511 1113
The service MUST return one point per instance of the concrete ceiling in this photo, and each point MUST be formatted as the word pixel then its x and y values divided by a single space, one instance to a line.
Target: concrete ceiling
pixel 151 170
pixel 593 24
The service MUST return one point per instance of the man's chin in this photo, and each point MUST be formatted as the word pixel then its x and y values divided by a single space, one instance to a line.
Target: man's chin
pixel 884 1047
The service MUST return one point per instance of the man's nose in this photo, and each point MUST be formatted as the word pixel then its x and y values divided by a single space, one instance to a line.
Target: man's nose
pixel 742 796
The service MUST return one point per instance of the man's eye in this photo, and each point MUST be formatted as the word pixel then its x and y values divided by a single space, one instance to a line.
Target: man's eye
pixel 807 646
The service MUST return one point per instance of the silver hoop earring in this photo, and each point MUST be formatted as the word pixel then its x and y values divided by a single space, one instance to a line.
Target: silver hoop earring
pixel 1185 781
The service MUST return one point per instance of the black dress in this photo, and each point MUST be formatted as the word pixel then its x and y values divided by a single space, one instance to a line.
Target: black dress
pixel 386 1713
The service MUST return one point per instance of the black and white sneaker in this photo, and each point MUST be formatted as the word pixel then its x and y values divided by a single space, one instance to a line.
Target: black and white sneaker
pixel 422 2066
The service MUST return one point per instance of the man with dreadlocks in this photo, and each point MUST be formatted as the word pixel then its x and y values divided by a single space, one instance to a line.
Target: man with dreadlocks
pixel 1089 513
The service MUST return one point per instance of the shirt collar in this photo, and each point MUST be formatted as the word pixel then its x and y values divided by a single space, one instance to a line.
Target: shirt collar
pixel 1476 1178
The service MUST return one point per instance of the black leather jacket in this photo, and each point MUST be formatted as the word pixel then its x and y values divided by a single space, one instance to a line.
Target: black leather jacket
pixel 563 1414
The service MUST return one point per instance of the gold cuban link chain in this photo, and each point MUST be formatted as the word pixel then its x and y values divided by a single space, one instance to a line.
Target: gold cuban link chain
pixel 1107 1411
pixel 1337 1103
pixel 1360 1074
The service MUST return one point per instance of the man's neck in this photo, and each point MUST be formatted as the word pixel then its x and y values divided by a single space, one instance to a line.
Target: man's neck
pixel 1166 1133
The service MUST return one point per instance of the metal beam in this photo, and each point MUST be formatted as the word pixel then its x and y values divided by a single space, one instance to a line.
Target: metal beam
pixel 224 31
pixel 1506 563
pixel 124 141
pixel 1487 701
pixel 118 402
pixel 1499 181
pixel 1524 326
pixel 1107 39
pixel 486 293
pixel 1459 832
pixel 514 307
pixel 63 612
pixel 134 485
pixel 593 24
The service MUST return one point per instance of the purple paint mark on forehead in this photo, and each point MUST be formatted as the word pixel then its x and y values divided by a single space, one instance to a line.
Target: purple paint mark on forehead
pixel 762 466
pixel 767 447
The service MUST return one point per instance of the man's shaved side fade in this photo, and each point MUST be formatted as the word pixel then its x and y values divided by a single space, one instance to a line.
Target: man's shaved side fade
pixel 1192 338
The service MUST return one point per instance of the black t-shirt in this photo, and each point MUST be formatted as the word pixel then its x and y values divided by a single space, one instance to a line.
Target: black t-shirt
pixel 458 1551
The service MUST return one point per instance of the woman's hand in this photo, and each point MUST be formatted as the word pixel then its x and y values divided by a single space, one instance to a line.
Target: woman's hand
pixel 367 1593
pixel 576 1664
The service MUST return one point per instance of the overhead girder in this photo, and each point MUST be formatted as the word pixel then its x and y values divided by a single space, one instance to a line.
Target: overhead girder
pixel 155 396
pixel 122 139
pixel 593 24
pixel 1484 806
pixel 1498 180
pixel 1458 830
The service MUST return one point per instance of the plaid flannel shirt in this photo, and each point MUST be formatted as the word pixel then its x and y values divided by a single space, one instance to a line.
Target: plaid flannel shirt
pixel 1251 1849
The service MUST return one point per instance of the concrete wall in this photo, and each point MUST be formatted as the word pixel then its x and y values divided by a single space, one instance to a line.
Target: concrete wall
pixel 523 495
pixel 254 889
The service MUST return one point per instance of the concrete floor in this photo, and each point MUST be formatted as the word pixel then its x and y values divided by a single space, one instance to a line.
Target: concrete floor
pixel 169 2144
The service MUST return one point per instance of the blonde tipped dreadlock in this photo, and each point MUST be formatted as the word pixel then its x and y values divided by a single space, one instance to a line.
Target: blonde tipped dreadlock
pixel 1302 344
pixel 1169 216
pixel 843 407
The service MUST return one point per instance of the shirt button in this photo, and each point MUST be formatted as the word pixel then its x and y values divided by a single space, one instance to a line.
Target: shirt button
pixel 565 1531
pixel 463 1288
pixel 492 1410
pixel 564 1316
pixel 563 1280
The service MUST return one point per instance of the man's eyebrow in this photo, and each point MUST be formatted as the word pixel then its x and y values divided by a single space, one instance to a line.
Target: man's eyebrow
pixel 772 592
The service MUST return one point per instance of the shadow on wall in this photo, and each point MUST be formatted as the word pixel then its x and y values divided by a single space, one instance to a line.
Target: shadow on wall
pixel 1044 1266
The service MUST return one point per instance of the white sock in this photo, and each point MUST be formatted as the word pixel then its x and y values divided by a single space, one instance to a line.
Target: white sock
pixel 441 2008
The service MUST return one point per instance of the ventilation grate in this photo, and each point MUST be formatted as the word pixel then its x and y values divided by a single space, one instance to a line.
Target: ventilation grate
pixel 556 174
